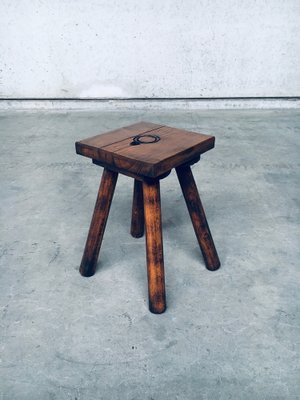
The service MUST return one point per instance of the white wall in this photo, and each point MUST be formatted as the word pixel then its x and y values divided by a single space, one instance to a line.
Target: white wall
pixel 149 48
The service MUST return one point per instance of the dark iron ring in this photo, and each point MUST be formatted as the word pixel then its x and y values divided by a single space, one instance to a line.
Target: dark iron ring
pixel 137 139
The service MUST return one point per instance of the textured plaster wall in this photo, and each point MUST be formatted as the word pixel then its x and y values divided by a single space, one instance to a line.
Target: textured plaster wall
pixel 149 48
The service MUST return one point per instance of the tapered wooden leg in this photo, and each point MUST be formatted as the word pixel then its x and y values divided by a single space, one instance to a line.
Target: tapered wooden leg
pixel 137 220
pixel 154 247
pixel 194 205
pixel 98 223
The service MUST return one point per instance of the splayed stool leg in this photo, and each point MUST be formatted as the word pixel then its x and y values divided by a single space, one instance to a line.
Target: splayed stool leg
pixel 98 223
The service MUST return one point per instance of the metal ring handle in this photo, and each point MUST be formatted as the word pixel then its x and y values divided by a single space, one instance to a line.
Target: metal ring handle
pixel 137 139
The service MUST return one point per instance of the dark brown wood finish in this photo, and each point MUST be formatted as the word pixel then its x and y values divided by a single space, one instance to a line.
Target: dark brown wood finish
pixel 194 205
pixel 137 219
pixel 154 247
pixel 147 164
pixel 98 223
pixel 127 173
pixel 118 135
pixel 176 146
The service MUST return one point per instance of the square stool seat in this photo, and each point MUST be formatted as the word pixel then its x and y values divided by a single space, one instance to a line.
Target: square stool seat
pixel 115 151
pixel 147 152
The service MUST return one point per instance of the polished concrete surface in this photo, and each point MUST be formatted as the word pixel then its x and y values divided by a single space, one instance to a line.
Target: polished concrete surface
pixel 229 334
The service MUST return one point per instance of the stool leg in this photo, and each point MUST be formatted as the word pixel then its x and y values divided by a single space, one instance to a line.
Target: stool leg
pixel 154 247
pixel 194 205
pixel 98 223
pixel 137 219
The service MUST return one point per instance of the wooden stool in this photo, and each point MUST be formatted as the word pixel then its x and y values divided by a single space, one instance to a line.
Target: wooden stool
pixel 147 152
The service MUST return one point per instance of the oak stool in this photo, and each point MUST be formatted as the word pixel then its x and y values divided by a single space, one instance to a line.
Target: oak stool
pixel 147 152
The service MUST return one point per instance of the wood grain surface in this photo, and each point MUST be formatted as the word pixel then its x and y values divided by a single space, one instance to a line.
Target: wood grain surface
pixel 154 247
pixel 197 214
pixel 175 147
pixel 98 223
pixel 137 219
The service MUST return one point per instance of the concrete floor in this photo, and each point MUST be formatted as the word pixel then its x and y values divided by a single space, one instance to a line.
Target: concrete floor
pixel 230 334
